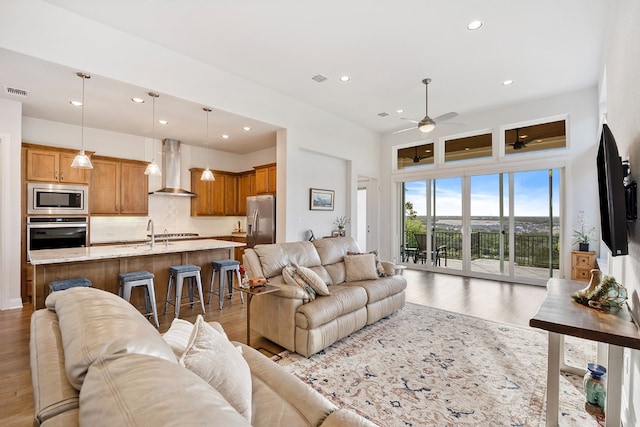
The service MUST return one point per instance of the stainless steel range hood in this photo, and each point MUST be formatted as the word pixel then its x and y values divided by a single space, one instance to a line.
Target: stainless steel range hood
pixel 171 170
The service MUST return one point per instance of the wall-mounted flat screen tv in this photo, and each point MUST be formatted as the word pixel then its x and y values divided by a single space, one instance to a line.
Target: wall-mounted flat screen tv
pixel 613 213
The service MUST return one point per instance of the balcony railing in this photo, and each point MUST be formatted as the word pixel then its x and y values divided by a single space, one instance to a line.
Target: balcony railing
pixel 531 250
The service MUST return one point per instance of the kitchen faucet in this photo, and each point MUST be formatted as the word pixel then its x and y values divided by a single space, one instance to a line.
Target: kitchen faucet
pixel 153 234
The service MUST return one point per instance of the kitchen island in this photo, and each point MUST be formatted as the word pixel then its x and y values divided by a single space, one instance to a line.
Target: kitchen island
pixel 102 264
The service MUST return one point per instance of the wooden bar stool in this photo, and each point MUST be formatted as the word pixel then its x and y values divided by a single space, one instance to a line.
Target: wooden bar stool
pixel 178 274
pixel 224 270
pixel 128 281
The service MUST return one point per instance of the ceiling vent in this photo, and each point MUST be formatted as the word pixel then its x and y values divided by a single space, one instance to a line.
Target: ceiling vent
pixel 383 114
pixel 15 91
pixel 319 78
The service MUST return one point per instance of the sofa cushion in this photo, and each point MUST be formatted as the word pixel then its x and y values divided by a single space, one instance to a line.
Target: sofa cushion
pixel 273 258
pixel 379 267
pixel 313 280
pixel 343 300
pixel 95 323
pixel 292 277
pixel 140 390
pixel 177 336
pixel 360 267
pixel 381 288
pixel 334 249
pixel 213 358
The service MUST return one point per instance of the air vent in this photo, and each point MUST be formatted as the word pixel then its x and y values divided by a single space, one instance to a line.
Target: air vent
pixel 383 114
pixel 319 78
pixel 15 91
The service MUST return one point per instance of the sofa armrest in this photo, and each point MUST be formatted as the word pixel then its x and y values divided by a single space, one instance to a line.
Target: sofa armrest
pixel 290 291
pixel 279 398
pixel 390 268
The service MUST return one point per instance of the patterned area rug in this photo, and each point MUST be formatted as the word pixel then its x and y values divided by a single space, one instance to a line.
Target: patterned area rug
pixel 428 367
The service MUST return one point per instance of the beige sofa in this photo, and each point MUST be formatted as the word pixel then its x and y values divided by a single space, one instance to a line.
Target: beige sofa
pixel 96 361
pixel 288 318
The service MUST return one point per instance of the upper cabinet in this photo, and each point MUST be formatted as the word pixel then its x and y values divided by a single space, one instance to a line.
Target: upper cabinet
pixel 246 188
pixel 210 195
pixel 118 187
pixel 48 164
pixel 266 178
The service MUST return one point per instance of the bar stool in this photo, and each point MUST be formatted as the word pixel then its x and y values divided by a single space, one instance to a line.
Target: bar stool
pixel 128 281
pixel 61 285
pixel 178 274
pixel 224 269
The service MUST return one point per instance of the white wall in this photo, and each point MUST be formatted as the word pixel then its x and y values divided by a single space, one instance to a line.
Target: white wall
pixel 10 209
pixel 622 60
pixel 581 111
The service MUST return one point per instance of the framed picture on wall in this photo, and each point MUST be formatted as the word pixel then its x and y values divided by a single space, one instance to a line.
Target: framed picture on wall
pixel 320 200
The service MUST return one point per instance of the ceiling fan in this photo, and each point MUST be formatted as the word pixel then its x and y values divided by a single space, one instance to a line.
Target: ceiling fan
pixel 427 124
pixel 416 158
pixel 522 141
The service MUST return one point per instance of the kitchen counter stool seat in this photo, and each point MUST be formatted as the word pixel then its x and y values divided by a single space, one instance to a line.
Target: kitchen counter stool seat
pixel 178 274
pixel 128 281
pixel 61 285
pixel 224 269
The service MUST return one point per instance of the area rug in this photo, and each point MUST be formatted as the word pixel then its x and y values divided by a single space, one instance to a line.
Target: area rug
pixel 427 367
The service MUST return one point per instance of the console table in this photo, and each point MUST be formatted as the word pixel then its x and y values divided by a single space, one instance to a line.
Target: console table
pixel 561 316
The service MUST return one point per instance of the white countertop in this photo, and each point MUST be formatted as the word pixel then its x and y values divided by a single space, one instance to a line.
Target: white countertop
pixel 57 256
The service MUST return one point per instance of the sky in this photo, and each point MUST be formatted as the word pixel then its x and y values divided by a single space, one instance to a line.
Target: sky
pixel 531 192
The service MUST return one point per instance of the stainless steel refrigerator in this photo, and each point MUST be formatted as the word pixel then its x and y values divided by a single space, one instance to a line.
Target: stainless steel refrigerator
pixel 261 220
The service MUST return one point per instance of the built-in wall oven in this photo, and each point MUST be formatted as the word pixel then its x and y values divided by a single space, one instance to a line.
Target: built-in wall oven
pixel 56 232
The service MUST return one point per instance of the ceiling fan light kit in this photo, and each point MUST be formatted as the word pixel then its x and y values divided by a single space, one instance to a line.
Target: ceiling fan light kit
pixel 427 124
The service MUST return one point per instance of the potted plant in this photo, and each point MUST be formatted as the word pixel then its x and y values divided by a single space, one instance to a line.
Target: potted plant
pixel 583 235
pixel 341 222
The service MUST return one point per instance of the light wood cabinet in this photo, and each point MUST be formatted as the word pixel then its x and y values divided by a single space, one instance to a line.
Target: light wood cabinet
pixel 53 165
pixel 210 195
pixel 246 188
pixel 581 265
pixel 265 178
pixel 231 195
pixel 118 187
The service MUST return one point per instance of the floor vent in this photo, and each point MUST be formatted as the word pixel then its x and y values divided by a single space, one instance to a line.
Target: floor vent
pixel 319 78
pixel 15 91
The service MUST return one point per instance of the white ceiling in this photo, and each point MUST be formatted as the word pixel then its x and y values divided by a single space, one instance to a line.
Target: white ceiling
pixel 545 46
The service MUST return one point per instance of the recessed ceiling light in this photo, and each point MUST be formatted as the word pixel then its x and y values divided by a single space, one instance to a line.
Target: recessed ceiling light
pixel 345 78
pixel 163 122
pixel 246 128
pixel 225 136
pixel 75 103
pixel 507 82
pixel 474 25
pixel 466 148
pixel 400 111
pixel 137 100
pixel 523 136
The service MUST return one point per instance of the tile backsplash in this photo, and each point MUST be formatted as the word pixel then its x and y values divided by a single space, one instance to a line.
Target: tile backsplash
pixel 170 213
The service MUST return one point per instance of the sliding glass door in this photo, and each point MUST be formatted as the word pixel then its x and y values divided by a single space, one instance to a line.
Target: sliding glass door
pixel 504 225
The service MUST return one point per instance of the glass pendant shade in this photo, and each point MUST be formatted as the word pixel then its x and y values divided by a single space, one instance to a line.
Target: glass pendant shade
pixel 81 161
pixel 207 175
pixel 153 169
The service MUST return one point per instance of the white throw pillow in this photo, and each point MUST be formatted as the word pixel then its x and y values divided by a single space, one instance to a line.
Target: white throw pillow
pixel 177 336
pixel 360 267
pixel 313 280
pixel 216 360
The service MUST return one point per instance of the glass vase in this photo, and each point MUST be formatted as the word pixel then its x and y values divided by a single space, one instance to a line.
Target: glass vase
pixel 595 388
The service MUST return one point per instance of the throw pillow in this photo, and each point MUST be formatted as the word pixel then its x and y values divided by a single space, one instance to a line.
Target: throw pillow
pixel 360 267
pixel 177 336
pixel 313 280
pixel 379 266
pixel 216 360
pixel 291 277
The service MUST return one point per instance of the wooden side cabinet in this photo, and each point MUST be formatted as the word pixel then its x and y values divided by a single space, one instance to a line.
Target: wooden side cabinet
pixel 581 265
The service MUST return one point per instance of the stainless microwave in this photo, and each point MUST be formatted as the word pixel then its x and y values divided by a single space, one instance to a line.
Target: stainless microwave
pixel 57 199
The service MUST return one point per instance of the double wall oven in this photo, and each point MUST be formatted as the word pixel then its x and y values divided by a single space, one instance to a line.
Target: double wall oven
pixel 57 216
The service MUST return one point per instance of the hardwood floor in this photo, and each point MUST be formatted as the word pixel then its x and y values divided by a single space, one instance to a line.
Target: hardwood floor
pixel 498 301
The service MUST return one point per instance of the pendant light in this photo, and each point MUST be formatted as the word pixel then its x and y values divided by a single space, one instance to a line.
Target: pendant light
pixel 207 175
pixel 82 161
pixel 153 168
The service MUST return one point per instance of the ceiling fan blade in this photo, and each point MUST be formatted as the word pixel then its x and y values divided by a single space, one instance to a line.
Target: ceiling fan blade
pixel 404 130
pixel 452 124
pixel 444 117
pixel 409 120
